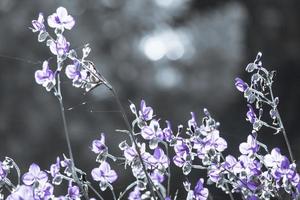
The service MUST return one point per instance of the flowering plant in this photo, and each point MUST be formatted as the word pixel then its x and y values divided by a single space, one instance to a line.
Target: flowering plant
pixel 256 173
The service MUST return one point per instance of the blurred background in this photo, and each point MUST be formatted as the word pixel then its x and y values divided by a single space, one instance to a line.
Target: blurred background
pixel 179 55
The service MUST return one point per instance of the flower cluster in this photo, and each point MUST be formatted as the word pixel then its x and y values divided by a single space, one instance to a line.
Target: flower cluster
pixel 255 173
pixel 82 72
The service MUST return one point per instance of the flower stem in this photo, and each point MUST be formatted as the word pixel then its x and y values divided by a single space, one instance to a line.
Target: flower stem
pixel 67 135
pixel 128 188
pixel 131 135
pixel 281 126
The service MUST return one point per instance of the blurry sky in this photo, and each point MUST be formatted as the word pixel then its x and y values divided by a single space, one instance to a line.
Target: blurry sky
pixel 179 55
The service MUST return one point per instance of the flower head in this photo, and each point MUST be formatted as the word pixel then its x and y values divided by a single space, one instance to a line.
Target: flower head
pixel 99 146
pixel 135 194
pixel 104 174
pixel 38 25
pixel 61 19
pixel 241 85
pixel 34 175
pixel 146 112
pixel 60 47
pixel 199 192
pixel 249 147
pixel 22 192
pixel 45 77
pixel 251 116
pixel 76 74
pixel 73 192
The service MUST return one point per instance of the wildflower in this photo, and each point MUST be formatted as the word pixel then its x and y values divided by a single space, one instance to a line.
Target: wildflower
pixel 61 19
pixel 3 172
pixel 146 113
pixel 60 47
pixel 99 146
pixel 22 192
pixel 67 163
pixel 250 147
pixel 35 175
pixel 54 171
pixel 38 25
pixel 44 192
pixel 73 192
pixel 251 116
pixel 104 174
pixel 241 85
pixel 45 77
pixel 76 74
pixel 274 159
pixel 135 194
pixel 199 192
pixel 167 132
pixel 161 159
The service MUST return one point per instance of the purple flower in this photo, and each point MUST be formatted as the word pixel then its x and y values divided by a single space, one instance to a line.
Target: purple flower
pixel 250 147
pixel 152 132
pixel 99 146
pixel 60 47
pixel 3 172
pixel 73 192
pixel 22 192
pixel 61 19
pixel 45 77
pixel 54 168
pixel 229 162
pixel 104 174
pixel 34 175
pixel 199 192
pixel 44 192
pixel 161 159
pixel 135 194
pixel 286 173
pixel 157 176
pixel 192 122
pixel 248 166
pixel 38 25
pixel 67 163
pixel 76 74
pixel 167 132
pixel 146 113
pixel 211 142
pixel 251 116
pixel 240 85
pixel 274 159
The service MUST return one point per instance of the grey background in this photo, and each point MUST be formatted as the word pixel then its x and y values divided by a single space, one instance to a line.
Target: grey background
pixel 211 41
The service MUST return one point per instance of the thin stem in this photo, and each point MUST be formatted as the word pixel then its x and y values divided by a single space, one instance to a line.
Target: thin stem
pixel 131 135
pixel 67 135
pixel 282 126
pixel 112 191
pixel 95 191
pixel 169 170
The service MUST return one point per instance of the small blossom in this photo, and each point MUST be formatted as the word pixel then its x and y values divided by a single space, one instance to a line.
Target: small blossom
pixel 104 174
pixel 22 192
pixel 274 159
pixel 38 25
pixel 73 192
pixel 76 74
pixel 251 116
pixel 146 113
pixel 60 47
pixel 135 194
pixel 61 19
pixel 240 85
pixel 34 175
pixel 54 168
pixel 161 159
pixel 98 146
pixel 45 77
pixel 3 172
pixel 157 176
pixel 199 192
pixel 44 192
pixel 250 147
